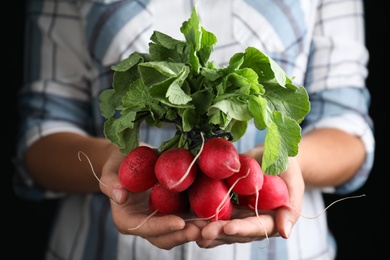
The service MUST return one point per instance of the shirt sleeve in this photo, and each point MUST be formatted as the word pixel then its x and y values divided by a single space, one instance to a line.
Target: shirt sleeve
pixel 70 47
pixel 56 94
pixel 336 78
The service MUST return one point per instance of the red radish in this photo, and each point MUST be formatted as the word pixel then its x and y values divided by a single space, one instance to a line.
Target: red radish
pixel 273 194
pixel 176 169
pixel 249 179
pixel 219 158
pixel 209 198
pixel 165 201
pixel 136 172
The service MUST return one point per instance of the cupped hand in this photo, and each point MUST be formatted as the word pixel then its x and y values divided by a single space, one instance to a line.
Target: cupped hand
pixel 131 213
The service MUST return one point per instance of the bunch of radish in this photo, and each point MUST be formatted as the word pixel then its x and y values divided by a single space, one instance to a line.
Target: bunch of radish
pixel 176 83
pixel 203 183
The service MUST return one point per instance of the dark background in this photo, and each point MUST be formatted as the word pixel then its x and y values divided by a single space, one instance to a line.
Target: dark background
pixel 359 224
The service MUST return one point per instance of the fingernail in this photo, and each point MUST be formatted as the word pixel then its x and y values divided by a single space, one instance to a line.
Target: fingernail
pixel 288 228
pixel 117 195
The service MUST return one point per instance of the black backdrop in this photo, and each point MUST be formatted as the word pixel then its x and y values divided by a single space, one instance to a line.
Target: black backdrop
pixel 358 224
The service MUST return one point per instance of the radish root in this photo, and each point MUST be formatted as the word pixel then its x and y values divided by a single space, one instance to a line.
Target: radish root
pixel 90 164
pixel 192 163
pixel 331 204
pixel 261 223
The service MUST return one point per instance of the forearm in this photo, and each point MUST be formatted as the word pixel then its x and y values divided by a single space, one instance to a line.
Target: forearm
pixel 54 164
pixel 329 157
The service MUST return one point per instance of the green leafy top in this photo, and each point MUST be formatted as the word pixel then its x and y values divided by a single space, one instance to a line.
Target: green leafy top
pixel 175 83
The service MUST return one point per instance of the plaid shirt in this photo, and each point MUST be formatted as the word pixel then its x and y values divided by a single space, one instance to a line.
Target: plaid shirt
pixel 71 45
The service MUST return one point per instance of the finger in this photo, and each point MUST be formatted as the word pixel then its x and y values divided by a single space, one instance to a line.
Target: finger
pixel 168 241
pixel 109 182
pixel 137 220
pixel 286 217
pixel 241 230
pixel 250 232
pixel 258 227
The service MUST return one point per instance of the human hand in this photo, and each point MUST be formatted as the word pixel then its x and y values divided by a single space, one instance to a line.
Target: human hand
pixel 130 210
pixel 244 226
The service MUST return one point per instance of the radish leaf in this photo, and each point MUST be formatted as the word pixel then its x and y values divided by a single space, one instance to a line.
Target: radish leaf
pixel 176 83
